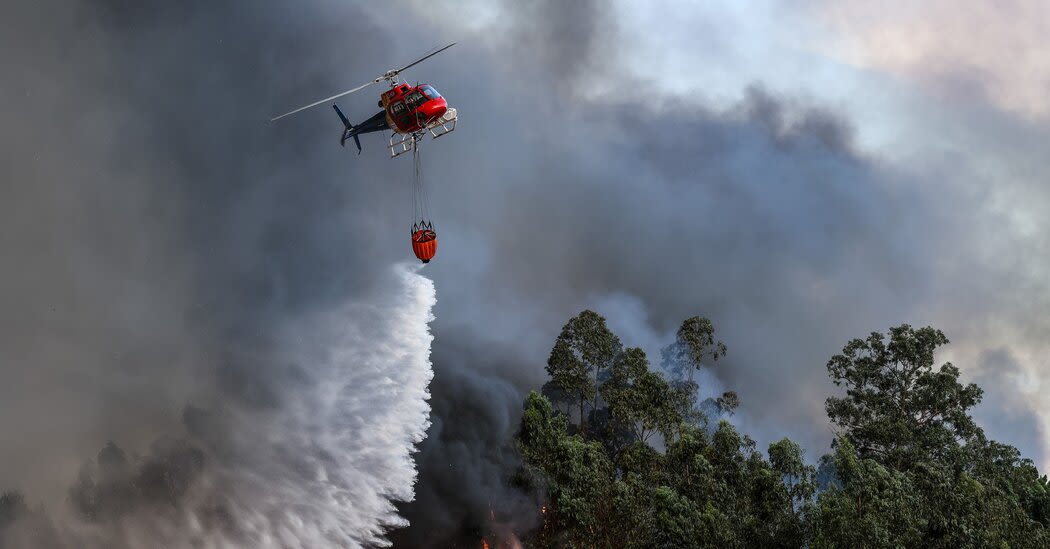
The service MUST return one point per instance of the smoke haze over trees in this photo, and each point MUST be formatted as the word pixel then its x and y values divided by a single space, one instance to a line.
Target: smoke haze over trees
pixel 167 253
pixel 908 468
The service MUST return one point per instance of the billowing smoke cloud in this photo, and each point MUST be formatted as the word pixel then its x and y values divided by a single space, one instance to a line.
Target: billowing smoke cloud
pixel 322 470
pixel 986 52
pixel 762 213
pixel 167 242
pixel 225 316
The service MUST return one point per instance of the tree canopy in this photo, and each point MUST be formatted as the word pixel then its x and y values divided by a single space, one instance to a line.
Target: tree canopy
pixel 646 465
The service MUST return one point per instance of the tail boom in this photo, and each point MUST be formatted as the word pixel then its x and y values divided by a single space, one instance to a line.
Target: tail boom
pixel 376 123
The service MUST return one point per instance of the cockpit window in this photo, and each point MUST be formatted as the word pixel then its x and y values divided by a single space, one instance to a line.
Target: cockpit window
pixel 430 92
pixel 397 108
pixel 414 99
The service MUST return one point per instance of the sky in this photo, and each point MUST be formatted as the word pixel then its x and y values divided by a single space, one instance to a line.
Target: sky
pixel 178 268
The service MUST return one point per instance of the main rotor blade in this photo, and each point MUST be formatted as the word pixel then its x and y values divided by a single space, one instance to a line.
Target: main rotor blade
pixel 425 57
pixel 325 100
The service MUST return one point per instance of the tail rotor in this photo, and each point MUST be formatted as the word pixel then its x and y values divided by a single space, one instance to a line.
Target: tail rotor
pixel 348 130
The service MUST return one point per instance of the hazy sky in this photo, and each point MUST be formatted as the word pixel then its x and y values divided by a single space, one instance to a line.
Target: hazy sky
pixel 939 111
pixel 801 173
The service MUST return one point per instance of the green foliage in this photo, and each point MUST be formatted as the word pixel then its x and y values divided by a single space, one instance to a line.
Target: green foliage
pixel 1002 468
pixel 910 468
pixel 897 408
pixel 877 507
pixel 704 490
pixel 681 522
pixel 786 459
pixel 915 469
pixel 697 334
pixel 583 349
pixel 569 374
pixel 642 461
pixel 638 397
pixel 728 402
pixel 926 507
pixel 577 473
pixel 694 342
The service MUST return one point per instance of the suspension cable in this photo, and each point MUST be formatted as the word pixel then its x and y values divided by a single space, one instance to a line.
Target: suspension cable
pixel 421 201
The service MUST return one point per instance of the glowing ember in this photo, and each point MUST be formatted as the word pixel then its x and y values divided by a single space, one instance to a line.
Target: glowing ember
pixel 484 544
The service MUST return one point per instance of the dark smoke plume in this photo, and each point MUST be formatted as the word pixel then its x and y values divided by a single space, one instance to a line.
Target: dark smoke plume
pixel 166 249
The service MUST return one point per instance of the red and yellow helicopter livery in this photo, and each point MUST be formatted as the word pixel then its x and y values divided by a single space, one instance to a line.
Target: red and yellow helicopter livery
pixel 409 112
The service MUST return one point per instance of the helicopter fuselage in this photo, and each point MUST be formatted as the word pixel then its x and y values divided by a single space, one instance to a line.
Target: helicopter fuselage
pixel 410 109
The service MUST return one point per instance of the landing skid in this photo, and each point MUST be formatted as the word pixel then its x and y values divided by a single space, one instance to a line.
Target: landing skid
pixel 401 143
pixel 444 125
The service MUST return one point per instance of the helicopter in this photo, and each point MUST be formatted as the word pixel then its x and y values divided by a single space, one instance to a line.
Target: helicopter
pixel 410 111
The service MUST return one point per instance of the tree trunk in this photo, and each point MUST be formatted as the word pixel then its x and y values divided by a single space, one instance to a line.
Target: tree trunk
pixel 595 408
pixel 582 400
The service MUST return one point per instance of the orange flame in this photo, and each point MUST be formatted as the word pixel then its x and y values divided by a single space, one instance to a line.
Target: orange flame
pixel 484 544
